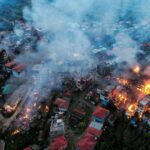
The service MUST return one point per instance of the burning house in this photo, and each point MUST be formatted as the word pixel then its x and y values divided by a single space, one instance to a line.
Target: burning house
pixel 144 105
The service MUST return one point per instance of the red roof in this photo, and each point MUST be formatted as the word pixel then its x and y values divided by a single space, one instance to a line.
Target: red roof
pixel 79 111
pixel 68 93
pixel 61 103
pixel 88 142
pixel 28 148
pixel 101 113
pixel 94 131
pixel 19 67
pixel 59 143
pixel 10 64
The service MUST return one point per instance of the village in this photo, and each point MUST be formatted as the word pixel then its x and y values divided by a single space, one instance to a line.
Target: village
pixel 73 117
pixel 51 101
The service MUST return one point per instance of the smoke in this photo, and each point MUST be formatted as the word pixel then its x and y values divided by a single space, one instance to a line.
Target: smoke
pixel 72 29
pixel 64 43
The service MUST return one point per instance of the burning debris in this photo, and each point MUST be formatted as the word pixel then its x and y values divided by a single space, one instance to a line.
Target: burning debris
pixel 71 49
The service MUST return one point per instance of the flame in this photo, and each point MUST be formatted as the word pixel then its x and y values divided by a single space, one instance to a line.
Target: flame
pixel 145 89
pixel 15 132
pixel 46 109
pixel 131 109
pixel 121 98
pixel 122 81
pixel 28 110
pixel 34 105
pixel 10 108
pixel 39 107
pixel 26 116
pixel 136 69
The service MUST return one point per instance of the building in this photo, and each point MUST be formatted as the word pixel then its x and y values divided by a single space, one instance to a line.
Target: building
pixel 2 145
pixel 15 66
pixel 87 142
pixel 95 128
pixel 144 104
pixel 104 100
pixel 100 115
pixel 57 128
pixel 76 116
pixel 62 104
pixel 59 143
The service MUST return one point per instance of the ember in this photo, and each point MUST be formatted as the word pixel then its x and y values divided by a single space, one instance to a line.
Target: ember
pixel 122 81
pixel 145 89
pixel 46 109
pixel 136 69
pixel 131 109
pixel 15 132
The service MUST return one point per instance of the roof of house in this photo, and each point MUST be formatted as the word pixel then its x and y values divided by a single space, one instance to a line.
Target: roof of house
pixel 19 67
pixel 94 131
pixel 59 143
pixel 96 125
pixel 62 103
pixel 28 148
pixel 101 113
pixel 88 142
pixel 10 64
pixel 79 111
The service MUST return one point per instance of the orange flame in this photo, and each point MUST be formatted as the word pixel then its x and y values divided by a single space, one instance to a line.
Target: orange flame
pixel 131 109
pixel 15 132
pixel 122 81
pixel 145 89
pixel 46 109
pixel 136 69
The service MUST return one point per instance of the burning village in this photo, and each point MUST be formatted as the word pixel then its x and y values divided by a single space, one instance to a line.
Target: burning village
pixel 74 75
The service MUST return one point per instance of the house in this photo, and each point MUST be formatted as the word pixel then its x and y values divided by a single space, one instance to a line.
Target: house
pixel 100 114
pixel 15 66
pixel 87 142
pixel 76 115
pixel 112 119
pixel 59 143
pixel 57 128
pixel 144 104
pixel 104 100
pixel 62 104
pixel 2 145
pixel 95 128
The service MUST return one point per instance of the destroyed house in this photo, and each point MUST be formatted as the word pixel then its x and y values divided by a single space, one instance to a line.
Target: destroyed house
pixel 100 114
pixel 144 104
pixel 77 115
pixel 59 143
pixel 87 142
pixel 57 128
pixel 14 66
pixel 62 104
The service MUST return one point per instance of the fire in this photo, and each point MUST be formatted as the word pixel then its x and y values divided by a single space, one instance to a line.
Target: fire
pixel 28 110
pixel 10 108
pixel 136 69
pixel 121 98
pixel 122 81
pixel 46 109
pixel 34 105
pixel 131 109
pixel 26 116
pixel 145 89
pixel 15 132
